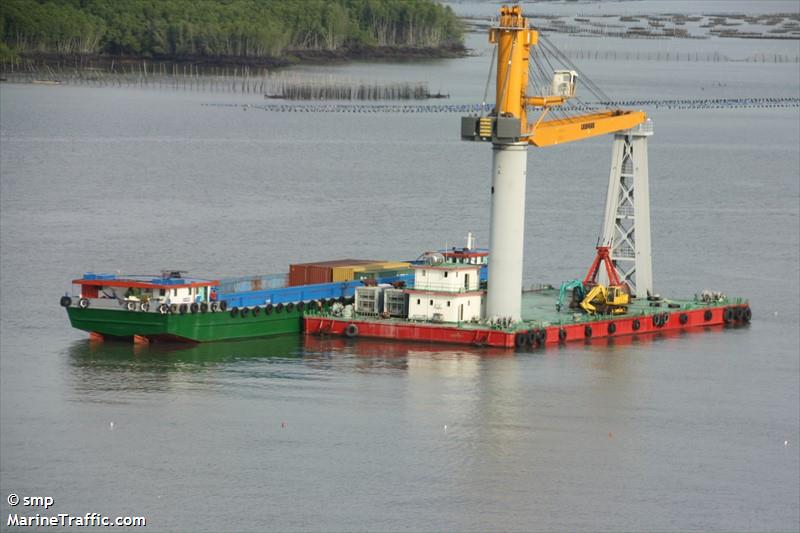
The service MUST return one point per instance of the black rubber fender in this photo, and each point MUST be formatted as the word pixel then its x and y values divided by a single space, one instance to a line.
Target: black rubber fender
pixel 268 309
pixel 244 311
pixel 708 315
pixel 301 306
pixel 144 307
pixel 727 315
pixel 351 330
pixel 256 310
pixel 562 334
pixel 747 314
pixel 223 305
pixel 279 308
pixel 636 324
pixel 173 308
pixel 587 331
pixel 738 313
pixel 541 336
pixel 520 339
pixel 664 318
pixel 234 311
pixel 163 309
pixel 130 306
pixel 612 328
pixel 195 307
pixel 532 337
pixel 290 307
pixel 66 301
pixel 657 320
pixel 183 308
pixel 683 318
pixel 203 307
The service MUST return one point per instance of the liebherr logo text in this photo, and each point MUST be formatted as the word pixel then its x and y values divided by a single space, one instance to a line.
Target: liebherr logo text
pixel 68 520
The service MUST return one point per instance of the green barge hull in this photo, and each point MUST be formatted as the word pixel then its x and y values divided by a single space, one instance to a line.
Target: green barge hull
pixel 191 327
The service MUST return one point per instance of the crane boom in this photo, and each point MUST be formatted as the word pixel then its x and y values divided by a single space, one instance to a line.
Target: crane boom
pixel 509 120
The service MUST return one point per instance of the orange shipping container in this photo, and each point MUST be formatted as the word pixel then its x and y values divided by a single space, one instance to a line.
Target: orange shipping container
pixel 320 272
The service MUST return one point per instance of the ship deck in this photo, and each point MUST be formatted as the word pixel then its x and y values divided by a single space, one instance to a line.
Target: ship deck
pixel 539 308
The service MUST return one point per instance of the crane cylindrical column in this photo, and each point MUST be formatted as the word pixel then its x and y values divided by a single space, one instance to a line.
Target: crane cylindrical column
pixel 506 234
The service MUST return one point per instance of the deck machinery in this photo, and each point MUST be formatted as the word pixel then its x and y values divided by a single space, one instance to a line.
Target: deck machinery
pixel 507 127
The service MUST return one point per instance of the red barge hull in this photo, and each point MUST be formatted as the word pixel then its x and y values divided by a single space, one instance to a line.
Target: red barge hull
pixel 620 326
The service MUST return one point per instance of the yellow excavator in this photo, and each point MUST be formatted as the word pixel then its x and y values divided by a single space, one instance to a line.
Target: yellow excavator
pixel 611 300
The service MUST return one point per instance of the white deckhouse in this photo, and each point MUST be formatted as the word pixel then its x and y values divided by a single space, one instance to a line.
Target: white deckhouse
pixel 445 291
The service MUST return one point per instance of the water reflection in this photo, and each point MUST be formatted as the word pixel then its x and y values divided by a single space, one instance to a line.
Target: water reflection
pixel 107 370
pixel 98 367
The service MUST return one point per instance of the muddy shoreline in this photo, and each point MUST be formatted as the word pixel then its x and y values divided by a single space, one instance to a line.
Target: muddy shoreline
pixel 201 63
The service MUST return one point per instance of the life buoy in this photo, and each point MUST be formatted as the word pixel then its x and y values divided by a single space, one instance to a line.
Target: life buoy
pixel 587 331
pixel 243 311
pixel 203 307
pixel 145 307
pixel 301 306
pixel 351 330
pixel 256 310
pixel 290 307
pixel 223 305
pixel 562 334
pixel 708 315
pixel 636 324
pixel 195 307
pixel 747 315
pixel 83 303
pixel 520 339
pixel 183 308
pixel 683 318
pixel 612 328
pixel 163 309
pixel 268 309
pixel 66 301
pixel 727 315
pixel 279 308
pixel 234 311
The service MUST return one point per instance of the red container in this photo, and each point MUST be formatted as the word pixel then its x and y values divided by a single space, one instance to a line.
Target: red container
pixel 321 271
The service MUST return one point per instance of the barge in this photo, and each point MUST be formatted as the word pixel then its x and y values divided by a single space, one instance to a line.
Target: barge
pixel 449 296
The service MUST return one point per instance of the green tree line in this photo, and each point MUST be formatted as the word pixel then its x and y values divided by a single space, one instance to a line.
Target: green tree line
pixel 219 28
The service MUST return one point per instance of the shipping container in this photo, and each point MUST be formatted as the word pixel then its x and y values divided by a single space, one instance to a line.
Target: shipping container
pixel 320 272
pixel 380 274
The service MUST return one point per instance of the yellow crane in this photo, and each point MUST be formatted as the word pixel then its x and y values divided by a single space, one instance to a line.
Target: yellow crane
pixel 508 129
pixel 514 39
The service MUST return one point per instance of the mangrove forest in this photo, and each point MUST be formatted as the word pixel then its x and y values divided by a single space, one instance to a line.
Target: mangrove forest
pixel 220 29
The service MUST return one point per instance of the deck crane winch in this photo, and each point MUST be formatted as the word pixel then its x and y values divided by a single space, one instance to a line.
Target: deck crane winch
pixel 508 129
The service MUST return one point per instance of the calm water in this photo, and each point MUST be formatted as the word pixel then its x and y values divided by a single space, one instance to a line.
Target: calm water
pixel 685 432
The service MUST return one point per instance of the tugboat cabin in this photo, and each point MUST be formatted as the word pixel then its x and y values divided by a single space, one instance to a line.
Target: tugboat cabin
pixel 171 288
